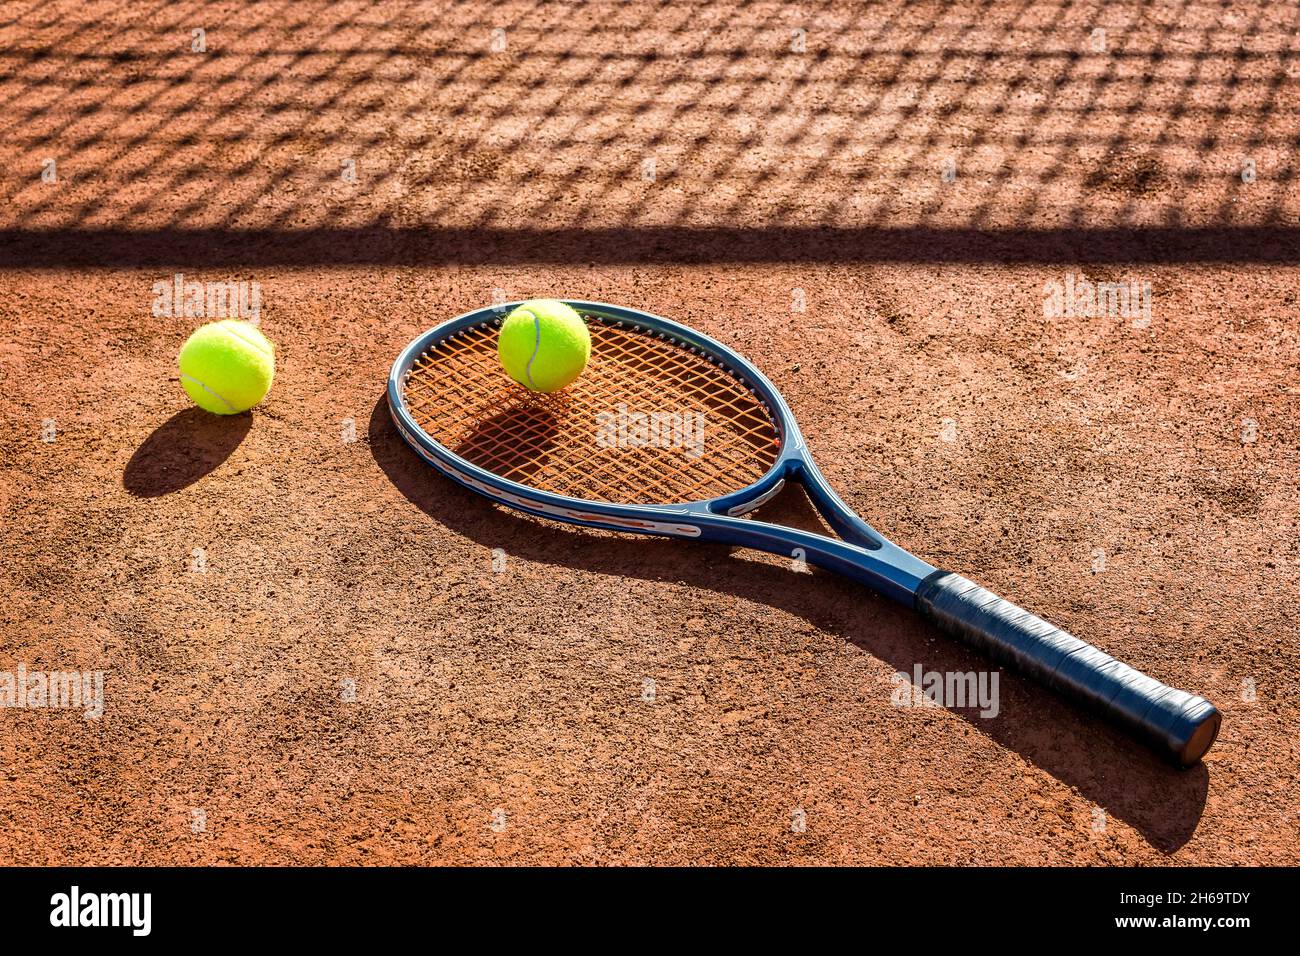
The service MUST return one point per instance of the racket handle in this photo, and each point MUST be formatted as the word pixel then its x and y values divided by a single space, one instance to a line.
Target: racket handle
pixel 1179 725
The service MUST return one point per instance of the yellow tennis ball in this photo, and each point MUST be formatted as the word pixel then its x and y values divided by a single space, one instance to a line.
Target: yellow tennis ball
pixel 544 345
pixel 227 367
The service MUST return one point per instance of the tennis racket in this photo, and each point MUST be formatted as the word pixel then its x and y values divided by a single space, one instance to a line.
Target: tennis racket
pixel 670 433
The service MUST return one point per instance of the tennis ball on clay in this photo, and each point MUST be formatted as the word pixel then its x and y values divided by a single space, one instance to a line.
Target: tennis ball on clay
pixel 227 367
pixel 544 345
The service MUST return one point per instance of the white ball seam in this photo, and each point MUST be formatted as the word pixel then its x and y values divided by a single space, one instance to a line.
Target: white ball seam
pixel 217 396
pixel 234 330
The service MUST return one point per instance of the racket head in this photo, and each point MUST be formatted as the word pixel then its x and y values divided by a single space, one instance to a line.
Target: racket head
pixel 455 405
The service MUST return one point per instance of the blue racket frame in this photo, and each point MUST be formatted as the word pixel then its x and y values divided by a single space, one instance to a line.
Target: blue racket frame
pixel 861 552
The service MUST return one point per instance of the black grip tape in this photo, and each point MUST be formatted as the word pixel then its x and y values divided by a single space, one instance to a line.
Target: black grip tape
pixel 1179 725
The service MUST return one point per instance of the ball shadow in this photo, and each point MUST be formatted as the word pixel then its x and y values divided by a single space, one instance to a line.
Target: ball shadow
pixel 1115 773
pixel 513 443
pixel 182 450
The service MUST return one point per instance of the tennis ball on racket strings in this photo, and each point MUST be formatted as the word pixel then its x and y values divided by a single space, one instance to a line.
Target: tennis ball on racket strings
pixel 544 345
pixel 226 367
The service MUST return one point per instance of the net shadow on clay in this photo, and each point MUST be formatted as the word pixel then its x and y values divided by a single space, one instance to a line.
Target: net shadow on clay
pixel 1077 132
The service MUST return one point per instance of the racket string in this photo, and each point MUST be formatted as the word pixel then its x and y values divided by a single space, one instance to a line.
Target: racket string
pixel 650 421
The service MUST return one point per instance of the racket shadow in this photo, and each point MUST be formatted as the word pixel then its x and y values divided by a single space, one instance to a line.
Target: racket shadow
pixel 1120 776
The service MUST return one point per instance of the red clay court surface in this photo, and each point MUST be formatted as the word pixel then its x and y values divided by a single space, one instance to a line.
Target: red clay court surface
pixel 1135 483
